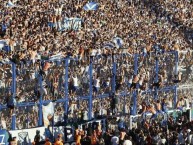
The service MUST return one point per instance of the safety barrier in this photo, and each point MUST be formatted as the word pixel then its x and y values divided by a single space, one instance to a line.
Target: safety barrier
pixel 31 88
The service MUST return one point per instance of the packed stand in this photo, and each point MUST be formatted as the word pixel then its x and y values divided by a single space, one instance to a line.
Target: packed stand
pixel 36 35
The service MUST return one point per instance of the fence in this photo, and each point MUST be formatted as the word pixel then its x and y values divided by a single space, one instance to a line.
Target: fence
pixel 72 81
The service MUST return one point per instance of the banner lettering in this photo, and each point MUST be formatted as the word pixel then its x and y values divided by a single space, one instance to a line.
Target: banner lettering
pixel 71 23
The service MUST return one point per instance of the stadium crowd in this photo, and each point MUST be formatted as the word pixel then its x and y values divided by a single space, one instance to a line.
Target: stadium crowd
pixel 31 35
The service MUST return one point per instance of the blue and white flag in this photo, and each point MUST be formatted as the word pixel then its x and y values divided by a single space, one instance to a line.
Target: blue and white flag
pixel 91 6
pixel 2 44
pixel 108 45
pixel 118 42
pixel 56 57
pixel 10 4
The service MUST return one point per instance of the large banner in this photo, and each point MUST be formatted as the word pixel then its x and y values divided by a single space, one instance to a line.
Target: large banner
pixel 26 136
pixel 71 23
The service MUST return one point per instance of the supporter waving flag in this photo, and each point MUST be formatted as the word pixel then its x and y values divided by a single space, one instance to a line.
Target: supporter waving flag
pixel 91 6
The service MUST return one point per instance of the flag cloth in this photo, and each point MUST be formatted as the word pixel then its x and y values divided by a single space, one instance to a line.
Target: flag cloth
pixel 10 4
pixel 91 6
pixel 56 57
pixel 48 111
pixel 118 42
pixel 108 45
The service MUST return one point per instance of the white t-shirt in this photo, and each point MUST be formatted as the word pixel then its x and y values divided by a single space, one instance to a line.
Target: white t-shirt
pixel 59 11
pixel 82 69
pixel 99 51
pixel 170 104
pixel 126 108
pixel 3 123
pixel 75 81
pixel 71 108
pixel 85 116
pixel 187 103
pixel 2 84
pixel 141 80
pixel 108 82
pixel 131 79
pixel 101 111
pixel 97 83
pixel 127 142
pixel 94 52
pixel 162 141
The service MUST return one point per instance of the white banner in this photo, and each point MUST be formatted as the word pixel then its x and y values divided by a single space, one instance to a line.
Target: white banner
pixel 48 112
pixel 71 23
pixel 56 57
pixel 26 136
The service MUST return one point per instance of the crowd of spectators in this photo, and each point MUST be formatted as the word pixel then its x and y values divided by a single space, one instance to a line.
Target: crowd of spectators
pixel 31 34
pixel 172 132
pixel 175 130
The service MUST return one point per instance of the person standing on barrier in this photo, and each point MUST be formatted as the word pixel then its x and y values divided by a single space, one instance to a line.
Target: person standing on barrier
pixel 130 80
pixel 33 54
pixel 96 86
pixel 179 104
pixel 143 112
pixel 134 83
pixel 114 104
pixel 143 108
pixel 164 106
pixel 75 85
pixel 158 107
